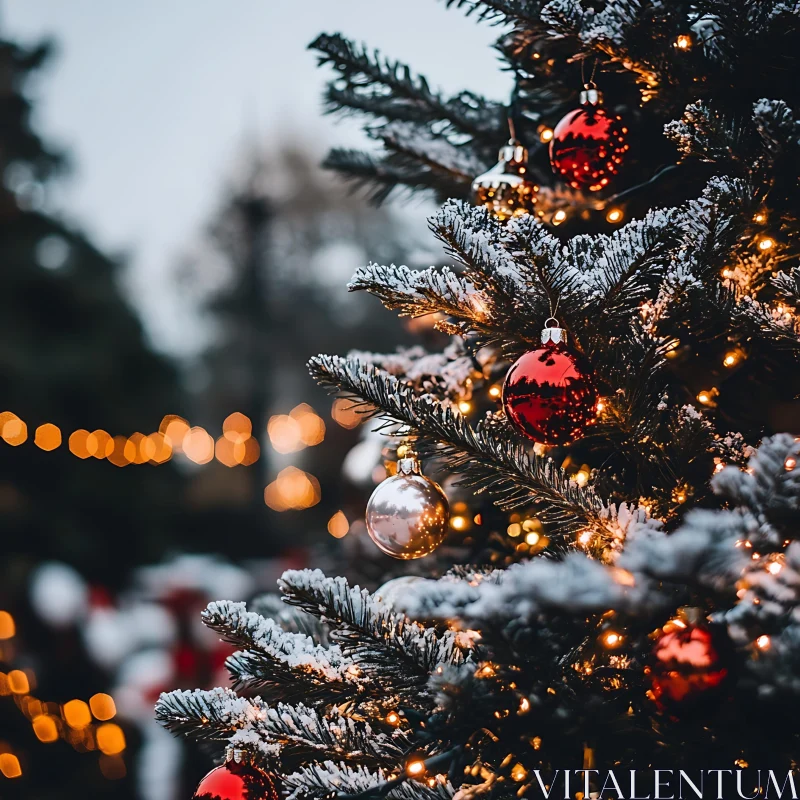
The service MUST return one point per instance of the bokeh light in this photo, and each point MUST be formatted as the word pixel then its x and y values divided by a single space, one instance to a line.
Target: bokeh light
pixel 338 526
pixel 12 429
pixel 237 427
pixel 344 413
pixel 45 728
pixel 198 445
pixel 293 489
pixel 47 437
pixel 102 706
pixel 9 765
pixel 110 739
pixel 76 714
pixel 7 627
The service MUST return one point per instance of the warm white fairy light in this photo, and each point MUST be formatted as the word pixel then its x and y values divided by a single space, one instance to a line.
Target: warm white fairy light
pixel 415 767
pixel 559 216
pixel 612 639
pixel 766 243
pixel 465 406
pixel 763 642
pixel 683 42
pixel 774 567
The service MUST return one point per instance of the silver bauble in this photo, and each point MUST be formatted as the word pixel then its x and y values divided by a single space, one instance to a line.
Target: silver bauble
pixel 408 513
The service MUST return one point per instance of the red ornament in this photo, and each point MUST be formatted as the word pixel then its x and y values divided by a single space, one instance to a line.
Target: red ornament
pixel 549 393
pixel 588 145
pixel 686 665
pixel 236 779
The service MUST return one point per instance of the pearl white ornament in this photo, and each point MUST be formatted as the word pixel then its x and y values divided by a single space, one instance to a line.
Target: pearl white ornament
pixel 408 513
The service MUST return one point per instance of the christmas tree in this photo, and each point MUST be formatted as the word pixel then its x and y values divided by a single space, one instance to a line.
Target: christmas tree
pixel 621 395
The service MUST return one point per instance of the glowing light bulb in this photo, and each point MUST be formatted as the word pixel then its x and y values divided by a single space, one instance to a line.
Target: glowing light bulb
pixel 683 42
pixel 458 523
pixel 465 406
pixel 415 767
pixel 393 718
pixel 531 538
pixel 559 216
pixel 731 358
pixel 546 134
pixel 495 391
pixel 766 243
pixel 790 463
pixel 585 537
pixel 614 215
pixel 612 639
pixel 774 568
pixel 763 642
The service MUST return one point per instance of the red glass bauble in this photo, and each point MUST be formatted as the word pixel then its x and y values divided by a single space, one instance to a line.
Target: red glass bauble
pixel 236 781
pixel 686 666
pixel 587 147
pixel 549 394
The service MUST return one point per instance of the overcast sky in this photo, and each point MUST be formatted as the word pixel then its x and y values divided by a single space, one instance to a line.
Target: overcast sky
pixel 154 97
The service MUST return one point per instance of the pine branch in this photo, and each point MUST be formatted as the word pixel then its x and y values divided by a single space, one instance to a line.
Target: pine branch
pixel 394 651
pixel 315 780
pixel 502 12
pixel 297 732
pixel 372 77
pixel 207 715
pixel 503 468
pixel 288 666
pixel 385 175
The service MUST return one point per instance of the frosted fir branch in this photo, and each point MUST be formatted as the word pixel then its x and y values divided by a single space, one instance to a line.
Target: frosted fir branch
pixel 417 293
pixel 776 125
pixel 447 374
pixel 316 780
pixel 390 647
pixel 435 151
pixel 290 665
pixel 703 132
pixel 788 285
pixel 298 730
pixel 503 468
pixel 565 18
pixel 769 488
pixel 214 714
pixel 292 620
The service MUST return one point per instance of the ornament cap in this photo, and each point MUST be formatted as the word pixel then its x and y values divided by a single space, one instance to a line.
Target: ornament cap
pixel 237 755
pixel 553 334
pixel 591 95
pixel 513 153
pixel 409 465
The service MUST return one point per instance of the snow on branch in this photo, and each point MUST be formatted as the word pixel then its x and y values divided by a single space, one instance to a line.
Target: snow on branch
pixel 213 714
pixel 502 467
pixel 290 665
pixel 370 632
pixel 297 732
pixel 316 780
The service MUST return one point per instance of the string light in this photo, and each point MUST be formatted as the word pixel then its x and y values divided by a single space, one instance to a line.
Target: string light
pixel 774 567
pixel 732 358
pixel 465 406
pixel 532 538
pixel 708 396
pixel 458 523
pixel 495 391
pixel 612 639
pixel 790 463
pixel 415 767
pixel 683 42
pixel 766 243
pixel 614 215
pixel 514 530
pixel 763 642
pixel 546 134
pixel 7 627
pixel 559 216
pixel 393 718
pixel 584 538
pixel 760 217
